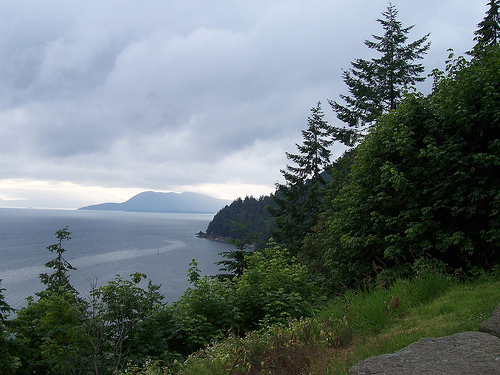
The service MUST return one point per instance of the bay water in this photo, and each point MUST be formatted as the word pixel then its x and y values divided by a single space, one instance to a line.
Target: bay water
pixel 103 244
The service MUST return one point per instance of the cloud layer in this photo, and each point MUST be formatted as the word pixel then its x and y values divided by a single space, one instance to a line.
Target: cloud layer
pixel 182 95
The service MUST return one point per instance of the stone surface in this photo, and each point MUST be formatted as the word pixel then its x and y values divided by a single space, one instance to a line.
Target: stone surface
pixel 463 353
pixel 492 325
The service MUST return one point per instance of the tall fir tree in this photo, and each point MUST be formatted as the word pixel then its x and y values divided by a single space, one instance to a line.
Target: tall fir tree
pixel 488 32
pixel 58 281
pixel 297 202
pixel 377 85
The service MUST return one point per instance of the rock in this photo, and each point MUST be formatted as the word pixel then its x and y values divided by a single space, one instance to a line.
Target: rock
pixel 463 353
pixel 492 325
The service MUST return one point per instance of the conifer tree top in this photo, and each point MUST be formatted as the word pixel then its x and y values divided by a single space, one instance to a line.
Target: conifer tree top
pixel 488 32
pixel 377 85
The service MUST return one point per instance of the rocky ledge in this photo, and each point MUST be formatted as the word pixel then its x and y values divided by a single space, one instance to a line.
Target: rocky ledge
pixel 464 353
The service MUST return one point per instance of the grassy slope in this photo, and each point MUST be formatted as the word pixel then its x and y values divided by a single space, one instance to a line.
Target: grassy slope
pixel 360 325
pixel 462 307
pixel 351 328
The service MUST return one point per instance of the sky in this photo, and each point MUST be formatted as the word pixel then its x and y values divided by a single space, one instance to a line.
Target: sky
pixel 103 99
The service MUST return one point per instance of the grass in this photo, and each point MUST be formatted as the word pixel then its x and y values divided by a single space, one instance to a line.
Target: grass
pixel 361 324
pixel 459 307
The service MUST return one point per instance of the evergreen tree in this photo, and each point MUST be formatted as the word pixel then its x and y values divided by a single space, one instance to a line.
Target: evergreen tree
pixel 8 362
pixel 59 280
pixel 314 153
pixel 5 309
pixel 488 32
pixel 298 200
pixel 49 330
pixel 234 263
pixel 376 86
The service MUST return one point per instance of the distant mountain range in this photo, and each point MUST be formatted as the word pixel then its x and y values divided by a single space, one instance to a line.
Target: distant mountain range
pixel 150 201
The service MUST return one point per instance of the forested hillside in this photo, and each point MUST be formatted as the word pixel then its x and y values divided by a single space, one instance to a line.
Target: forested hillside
pixel 246 219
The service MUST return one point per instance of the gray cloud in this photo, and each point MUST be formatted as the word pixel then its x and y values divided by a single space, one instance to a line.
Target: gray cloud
pixel 157 95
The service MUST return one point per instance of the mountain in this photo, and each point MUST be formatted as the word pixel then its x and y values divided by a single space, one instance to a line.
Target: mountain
pixel 150 201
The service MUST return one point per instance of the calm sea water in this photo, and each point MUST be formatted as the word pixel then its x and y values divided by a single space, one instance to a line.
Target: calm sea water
pixel 103 244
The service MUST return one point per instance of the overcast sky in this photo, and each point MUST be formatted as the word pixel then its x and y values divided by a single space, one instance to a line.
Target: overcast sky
pixel 100 100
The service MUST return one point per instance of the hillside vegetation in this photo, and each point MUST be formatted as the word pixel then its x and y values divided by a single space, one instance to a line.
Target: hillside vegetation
pixel 247 220
pixel 360 324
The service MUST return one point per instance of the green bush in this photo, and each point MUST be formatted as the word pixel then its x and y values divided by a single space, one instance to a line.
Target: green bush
pixel 207 311
pixel 273 289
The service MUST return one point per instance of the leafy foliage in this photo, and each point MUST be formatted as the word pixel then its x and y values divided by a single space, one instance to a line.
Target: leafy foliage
pixel 465 155
pixel 424 182
pixel 62 333
pixel 125 324
pixel 50 334
pixel 273 289
pixel 121 306
pixel 310 254
pixel 205 312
